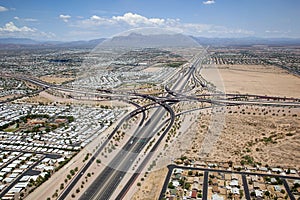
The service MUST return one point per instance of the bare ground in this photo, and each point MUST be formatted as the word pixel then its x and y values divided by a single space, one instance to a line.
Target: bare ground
pixel 272 138
pixel 254 79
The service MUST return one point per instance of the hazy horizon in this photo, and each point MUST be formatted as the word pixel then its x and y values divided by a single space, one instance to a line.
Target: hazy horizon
pixel 79 20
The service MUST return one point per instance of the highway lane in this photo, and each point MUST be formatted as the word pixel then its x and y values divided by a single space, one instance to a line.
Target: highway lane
pixel 132 179
pixel 181 84
pixel 140 109
pixel 106 182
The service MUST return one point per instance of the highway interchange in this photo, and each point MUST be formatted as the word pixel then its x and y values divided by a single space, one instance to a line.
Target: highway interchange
pixel 178 89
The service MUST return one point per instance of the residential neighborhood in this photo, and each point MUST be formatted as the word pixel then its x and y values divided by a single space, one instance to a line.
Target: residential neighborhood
pixel 221 181
pixel 36 140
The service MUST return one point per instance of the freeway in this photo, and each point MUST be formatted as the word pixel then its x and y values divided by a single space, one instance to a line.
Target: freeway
pixel 140 109
pixel 107 181
pixel 105 184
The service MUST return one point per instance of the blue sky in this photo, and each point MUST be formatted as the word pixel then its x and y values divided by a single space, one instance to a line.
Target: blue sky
pixel 90 19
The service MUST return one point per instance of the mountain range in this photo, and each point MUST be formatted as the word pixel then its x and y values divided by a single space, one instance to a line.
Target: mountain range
pixel 136 39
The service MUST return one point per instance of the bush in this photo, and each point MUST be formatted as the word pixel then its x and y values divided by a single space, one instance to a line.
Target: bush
pixel 171 186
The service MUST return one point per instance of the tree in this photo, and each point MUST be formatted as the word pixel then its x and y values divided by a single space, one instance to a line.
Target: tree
pixel 171 186
pixel 69 176
pixel 72 172
pixel 187 186
pixel 267 193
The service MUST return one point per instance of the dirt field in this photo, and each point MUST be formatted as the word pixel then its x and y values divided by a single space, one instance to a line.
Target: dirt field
pixel 255 79
pixel 151 187
pixel 55 80
pixel 152 69
pixel 269 135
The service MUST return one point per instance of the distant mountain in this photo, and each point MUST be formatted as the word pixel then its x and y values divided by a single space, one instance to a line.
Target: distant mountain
pixel 24 41
pixel 247 41
pixel 82 43
pixel 29 43
pixel 150 41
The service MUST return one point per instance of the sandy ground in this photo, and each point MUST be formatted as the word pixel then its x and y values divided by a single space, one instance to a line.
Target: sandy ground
pixel 247 130
pixel 254 79
pixel 46 98
pixel 152 69
pixel 7 97
pixel 245 133
pixel 151 187
pixel 54 79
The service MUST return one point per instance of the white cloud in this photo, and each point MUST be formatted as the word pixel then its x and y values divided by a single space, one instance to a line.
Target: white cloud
pixel 11 30
pixel 65 18
pixel 93 22
pixel 11 27
pixel 128 19
pixel 25 19
pixel 208 2
pixel 136 20
pixel 97 24
pixel 3 9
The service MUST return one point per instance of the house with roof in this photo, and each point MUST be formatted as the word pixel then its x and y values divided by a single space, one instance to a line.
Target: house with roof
pixel 256 185
pixel 194 194
pixel 214 181
pixel 215 189
pixel 277 187
pixel 276 170
pixel 234 183
pixel 195 186
pixel 259 193
pixel 235 191
pixel 196 179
